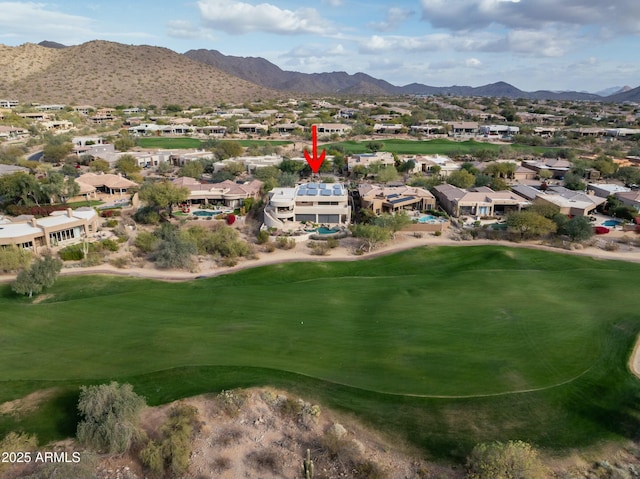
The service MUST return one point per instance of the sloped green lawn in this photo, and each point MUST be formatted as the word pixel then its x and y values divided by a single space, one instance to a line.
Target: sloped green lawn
pixel 443 346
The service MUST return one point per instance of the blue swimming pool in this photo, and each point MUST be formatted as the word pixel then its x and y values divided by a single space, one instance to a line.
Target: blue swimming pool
pixel 430 219
pixel 205 213
pixel 611 223
pixel 327 231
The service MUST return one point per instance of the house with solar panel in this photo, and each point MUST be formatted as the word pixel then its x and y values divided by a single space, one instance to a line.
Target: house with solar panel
pixel 320 203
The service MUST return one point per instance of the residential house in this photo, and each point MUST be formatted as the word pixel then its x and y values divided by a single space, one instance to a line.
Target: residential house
pixel 463 128
pixel 429 129
pixel 366 159
pixel 499 131
pixel 630 198
pixel 570 203
pixel 391 199
pixel 9 103
pixel 557 166
pixel 426 163
pixel 388 128
pixel 330 128
pixel 248 128
pixel 604 190
pixel 478 201
pixel 12 133
pixel 227 193
pixel 321 203
pixel 60 228
pixel 107 183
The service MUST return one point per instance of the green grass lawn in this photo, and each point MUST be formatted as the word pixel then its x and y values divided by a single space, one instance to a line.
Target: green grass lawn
pixel 433 147
pixel 443 346
pixel 186 143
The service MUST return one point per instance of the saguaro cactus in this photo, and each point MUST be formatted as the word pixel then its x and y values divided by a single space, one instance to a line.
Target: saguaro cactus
pixel 307 466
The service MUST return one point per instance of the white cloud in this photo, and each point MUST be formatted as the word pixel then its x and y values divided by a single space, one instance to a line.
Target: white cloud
pixel 333 3
pixel 236 17
pixel 620 15
pixel 337 50
pixel 473 63
pixel 427 43
pixel 395 17
pixel 31 20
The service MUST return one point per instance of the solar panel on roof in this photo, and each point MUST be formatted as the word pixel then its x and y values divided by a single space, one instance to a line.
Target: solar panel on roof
pixel 312 192
pixel 394 195
pixel 337 193
pixel 402 200
pixel 312 186
pixel 302 192
pixel 325 192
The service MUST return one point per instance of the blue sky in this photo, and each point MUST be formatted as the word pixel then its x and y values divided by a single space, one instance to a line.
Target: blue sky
pixel 585 45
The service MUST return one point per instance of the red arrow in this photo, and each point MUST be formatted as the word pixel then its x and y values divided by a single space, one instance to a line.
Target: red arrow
pixel 315 162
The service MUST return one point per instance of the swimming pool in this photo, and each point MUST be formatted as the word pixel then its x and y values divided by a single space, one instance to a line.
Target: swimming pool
pixel 611 223
pixel 327 231
pixel 430 219
pixel 205 213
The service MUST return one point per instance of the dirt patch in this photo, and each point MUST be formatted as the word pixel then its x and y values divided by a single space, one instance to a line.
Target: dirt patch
pixel 28 403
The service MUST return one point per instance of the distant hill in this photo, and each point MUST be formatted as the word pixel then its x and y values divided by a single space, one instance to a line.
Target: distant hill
pixel 48 44
pixel 267 74
pixel 632 96
pixel 107 73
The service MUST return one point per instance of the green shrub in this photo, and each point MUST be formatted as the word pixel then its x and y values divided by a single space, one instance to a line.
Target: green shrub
pixel 111 223
pixel 283 242
pixel 262 237
pixel 109 245
pixel 71 253
pixel 13 258
pixel 146 242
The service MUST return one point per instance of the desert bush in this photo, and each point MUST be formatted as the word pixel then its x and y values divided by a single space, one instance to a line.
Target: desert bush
pixel 437 233
pixel 17 442
pixel 110 223
pixel 232 401
pixel 291 408
pixel 228 436
pixel 93 258
pixel 110 414
pixel 146 242
pixel 120 262
pixel 498 460
pixel 333 242
pixel 172 452
pixel 265 460
pixel 147 216
pixel 109 245
pixel 368 470
pixel 71 253
pixel 269 248
pixel 318 248
pixel 611 246
pixel 220 464
pixel 229 261
pixel 262 237
pixel 283 242
pixel 13 258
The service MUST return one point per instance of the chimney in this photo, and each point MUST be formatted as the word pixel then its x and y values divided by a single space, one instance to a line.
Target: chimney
pixel 34 223
pixel 69 212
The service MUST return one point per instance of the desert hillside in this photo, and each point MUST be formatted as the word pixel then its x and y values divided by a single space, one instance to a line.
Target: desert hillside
pixel 107 73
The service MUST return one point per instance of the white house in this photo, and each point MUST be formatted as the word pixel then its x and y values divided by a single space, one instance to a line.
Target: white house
pixel 321 203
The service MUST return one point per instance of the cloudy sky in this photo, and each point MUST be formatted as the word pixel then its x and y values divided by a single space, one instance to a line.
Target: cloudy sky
pixel 585 45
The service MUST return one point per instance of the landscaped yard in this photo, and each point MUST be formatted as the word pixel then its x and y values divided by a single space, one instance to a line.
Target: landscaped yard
pixel 179 143
pixel 444 346
pixel 433 147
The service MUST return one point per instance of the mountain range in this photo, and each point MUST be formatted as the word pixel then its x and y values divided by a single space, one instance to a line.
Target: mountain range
pixel 101 72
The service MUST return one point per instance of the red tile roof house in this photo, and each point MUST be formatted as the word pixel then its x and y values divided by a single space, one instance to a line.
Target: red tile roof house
pixel 227 193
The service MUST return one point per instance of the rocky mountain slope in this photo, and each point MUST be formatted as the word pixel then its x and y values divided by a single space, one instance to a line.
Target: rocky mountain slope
pixel 107 73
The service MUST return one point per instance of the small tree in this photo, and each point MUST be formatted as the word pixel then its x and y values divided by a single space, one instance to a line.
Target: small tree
pixel 578 228
pixel 461 179
pixel 511 460
pixel 41 274
pixel 110 417
pixel 371 235
pixel 529 224
pixel 163 195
